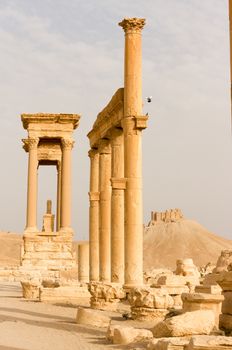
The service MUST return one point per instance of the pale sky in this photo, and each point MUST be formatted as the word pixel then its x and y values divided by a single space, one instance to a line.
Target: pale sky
pixel 60 56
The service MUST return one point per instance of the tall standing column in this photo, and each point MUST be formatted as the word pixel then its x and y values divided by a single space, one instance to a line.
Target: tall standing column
pixel 67 145
pixel 31 224
pixel 230 27
pixel 58 194
pixel 133 122
pixel 94 216
pixel 104 210
pixel 117 206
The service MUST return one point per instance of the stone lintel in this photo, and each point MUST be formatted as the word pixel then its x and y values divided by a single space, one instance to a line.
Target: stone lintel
pixel 118 183
pixel 49 118
pixel 94 196
pixel 110 117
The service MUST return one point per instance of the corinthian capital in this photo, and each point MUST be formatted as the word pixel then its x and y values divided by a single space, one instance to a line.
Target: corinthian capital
pixel 67 143
pixel 132 24
pixel 30 143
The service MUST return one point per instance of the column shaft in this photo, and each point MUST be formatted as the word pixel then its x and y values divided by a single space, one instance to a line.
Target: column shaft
pixel 94 216
pixel 32 185
pixel 67 145
pixel 83 262
pixel 133 152
pixel 117 207
pixel 104 211
pixel 58 201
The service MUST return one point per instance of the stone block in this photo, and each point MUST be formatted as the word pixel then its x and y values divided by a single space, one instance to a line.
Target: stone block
pixel 209 342
pixel 65 294
pixel 168 344
pixel 30 289
pixel 208 289
pixel 225 280
pixel 189 323
pixel 127 335
pixel 92 318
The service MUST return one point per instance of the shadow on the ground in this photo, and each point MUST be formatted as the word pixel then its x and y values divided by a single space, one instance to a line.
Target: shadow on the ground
pixel 3 347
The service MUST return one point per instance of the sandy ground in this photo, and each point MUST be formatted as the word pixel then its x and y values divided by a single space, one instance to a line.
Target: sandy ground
pixel 28 325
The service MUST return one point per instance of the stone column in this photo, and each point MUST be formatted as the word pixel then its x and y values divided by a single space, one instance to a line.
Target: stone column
pixel 94 216
pixel 104 210
pixel 133 122
pixel 58 194
pixel 117 206
pixel 230 27
pixel 67 145
pixel 31 224
pixel 83 262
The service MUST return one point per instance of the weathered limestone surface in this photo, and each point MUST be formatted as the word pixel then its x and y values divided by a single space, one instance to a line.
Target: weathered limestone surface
pixel 126 335
pixel 189 323
pixel 49 142
pixel 224 260
pixel 225 282
pixel 172 215
pixel 92 317
pixel 65 294
pixel 83 262
pixel 168 344
pixel 209 343
pixel 149 303
pixel 203 301
pixel 105 296
pixel 30 289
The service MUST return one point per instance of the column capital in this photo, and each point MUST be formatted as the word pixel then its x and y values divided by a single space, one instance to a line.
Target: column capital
pixel 67 143
pixel 132 25
pixel 93 152
pixel 30 143
pixel 104 146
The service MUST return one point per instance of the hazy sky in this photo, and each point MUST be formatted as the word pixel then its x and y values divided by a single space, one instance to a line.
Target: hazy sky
pixel 67 57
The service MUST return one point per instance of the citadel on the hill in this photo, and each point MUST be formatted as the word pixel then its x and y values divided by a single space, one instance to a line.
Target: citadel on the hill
pixel 167 285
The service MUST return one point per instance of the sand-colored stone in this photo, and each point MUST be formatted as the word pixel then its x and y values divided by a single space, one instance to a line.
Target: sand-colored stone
pixel 106 296
pixel 223 261
pixel 189 323
pixel 126 335
pixel 209 343
pixel 92 317
pixel 168 344
pixel 49 142
pixel 31 289
pixel 64 294
pixel 83 262
pixel 203 301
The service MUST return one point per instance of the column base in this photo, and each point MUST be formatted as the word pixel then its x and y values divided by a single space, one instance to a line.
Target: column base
pixel 33 229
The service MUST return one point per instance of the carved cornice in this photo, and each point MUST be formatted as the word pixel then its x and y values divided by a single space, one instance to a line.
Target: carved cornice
pixel 138 122
pixel 48 118
pixel 30 143
pixel 67 143
pixel 132 24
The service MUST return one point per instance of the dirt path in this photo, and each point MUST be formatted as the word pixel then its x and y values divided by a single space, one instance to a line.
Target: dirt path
pixel 28 325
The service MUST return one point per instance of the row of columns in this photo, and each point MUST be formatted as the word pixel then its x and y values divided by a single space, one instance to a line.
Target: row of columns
pixel 116 217
pixel 63 186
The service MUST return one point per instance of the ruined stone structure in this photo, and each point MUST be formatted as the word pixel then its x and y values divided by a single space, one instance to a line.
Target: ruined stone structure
pixel 116 175
pixel 171 215
pixel 49 142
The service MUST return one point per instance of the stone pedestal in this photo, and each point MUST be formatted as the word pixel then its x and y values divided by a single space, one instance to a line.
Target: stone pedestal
pixel 203 301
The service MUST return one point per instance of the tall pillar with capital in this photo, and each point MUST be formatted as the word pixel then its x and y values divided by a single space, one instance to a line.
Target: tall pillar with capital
pixel 67 145
pixel 133 122
pixel 58 194
pixel 94 216
pixel 117 206
pixel 104 210
pixel 31 224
